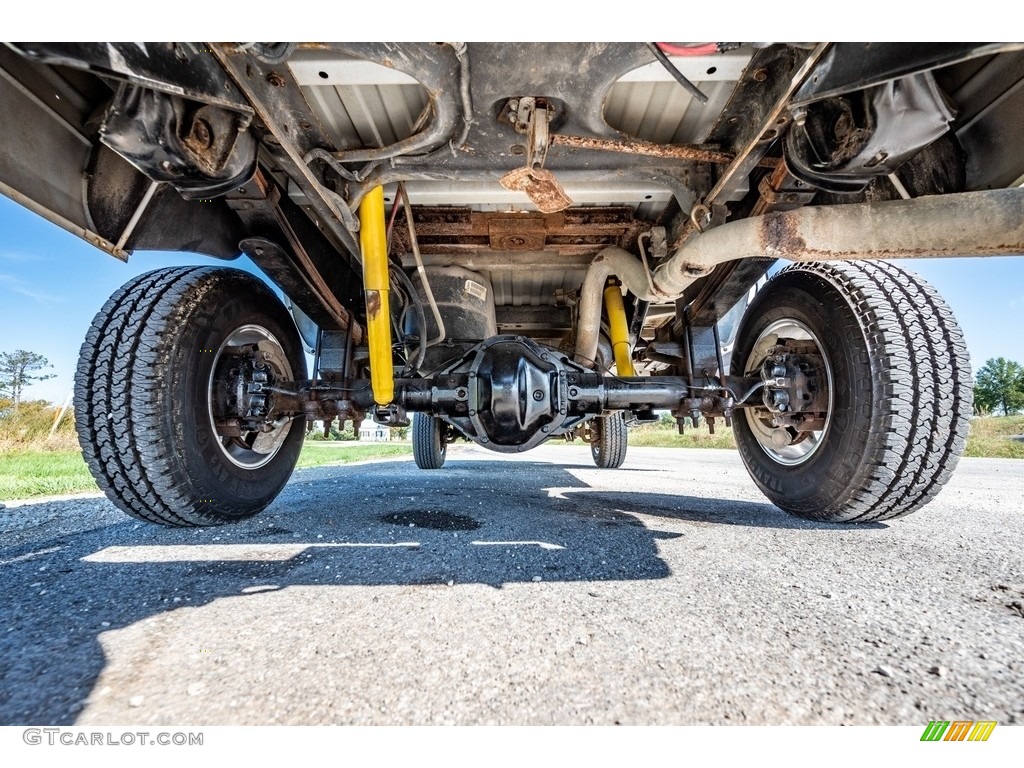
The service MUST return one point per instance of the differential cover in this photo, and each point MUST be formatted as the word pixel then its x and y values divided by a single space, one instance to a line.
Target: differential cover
pixel 517 393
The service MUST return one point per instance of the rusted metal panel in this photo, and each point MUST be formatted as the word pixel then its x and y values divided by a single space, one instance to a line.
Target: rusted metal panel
pixel 541 186
pixel 573 232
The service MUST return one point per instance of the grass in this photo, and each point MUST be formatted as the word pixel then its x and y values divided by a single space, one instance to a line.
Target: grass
pixel 27 473
pixel 990 437
pixel 317 455
pixel 669 437
pixel 42 469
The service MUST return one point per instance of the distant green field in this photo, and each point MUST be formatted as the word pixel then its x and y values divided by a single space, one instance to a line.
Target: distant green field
pixel 990 437
pixel 25 474
pixel 660 437
pixel 33 471
pixel 316 455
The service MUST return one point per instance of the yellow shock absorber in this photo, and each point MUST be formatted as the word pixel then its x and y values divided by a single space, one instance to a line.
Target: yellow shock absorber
pixel 619 330
pixel 373 242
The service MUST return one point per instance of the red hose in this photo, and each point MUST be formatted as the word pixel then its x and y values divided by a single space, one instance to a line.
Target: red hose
pixel 671 49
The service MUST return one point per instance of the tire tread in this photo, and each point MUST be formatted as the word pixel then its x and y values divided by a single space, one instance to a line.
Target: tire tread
pixel 922 395
pixel 427 447
pixel 103 406
pixel 609 452
pixel 120 408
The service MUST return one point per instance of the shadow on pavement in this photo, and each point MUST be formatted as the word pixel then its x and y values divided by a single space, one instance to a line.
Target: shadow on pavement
pixel 490 523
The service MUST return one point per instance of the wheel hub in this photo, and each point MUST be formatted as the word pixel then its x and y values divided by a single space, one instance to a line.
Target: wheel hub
pixel 245 370
pixel 796 413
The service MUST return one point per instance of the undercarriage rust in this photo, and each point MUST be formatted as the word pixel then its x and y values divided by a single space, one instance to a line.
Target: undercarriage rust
pixel 541 186
pixel 652 149
pixel 581 231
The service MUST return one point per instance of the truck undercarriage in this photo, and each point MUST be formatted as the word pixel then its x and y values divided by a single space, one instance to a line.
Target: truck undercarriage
pixel 517 242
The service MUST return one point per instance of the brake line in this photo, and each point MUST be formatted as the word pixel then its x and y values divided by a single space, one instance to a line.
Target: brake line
pixel 419 268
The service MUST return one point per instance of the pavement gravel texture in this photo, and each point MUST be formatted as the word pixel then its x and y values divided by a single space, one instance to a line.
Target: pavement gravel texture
pixel 534 589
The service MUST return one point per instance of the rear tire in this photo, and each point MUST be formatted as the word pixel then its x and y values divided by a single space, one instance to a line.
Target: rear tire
pixel 900 384
pixel 143 392
pixel 429 446
pixel 609 446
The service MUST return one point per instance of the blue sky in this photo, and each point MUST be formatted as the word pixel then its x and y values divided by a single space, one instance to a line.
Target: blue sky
pixel 52 284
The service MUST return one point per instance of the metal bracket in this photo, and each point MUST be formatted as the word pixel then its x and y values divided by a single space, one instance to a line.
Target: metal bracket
pixel 391 415
pixel 531 116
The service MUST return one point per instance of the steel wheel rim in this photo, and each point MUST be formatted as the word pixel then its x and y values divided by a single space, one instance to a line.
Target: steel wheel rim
pixel 802 451
pixel 265 445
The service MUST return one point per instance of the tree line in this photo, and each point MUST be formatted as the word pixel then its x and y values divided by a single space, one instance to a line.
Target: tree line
pixel 999 387
pixel 20 369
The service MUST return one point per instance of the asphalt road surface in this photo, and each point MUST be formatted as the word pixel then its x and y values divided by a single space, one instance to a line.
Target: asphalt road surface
pixel 528 590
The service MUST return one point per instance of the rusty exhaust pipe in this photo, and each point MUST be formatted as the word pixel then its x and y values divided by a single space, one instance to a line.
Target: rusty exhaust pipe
pixel 989 223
